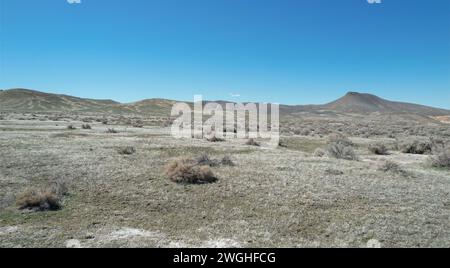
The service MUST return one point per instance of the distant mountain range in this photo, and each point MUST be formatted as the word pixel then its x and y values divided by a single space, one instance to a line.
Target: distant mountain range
pixel 25 100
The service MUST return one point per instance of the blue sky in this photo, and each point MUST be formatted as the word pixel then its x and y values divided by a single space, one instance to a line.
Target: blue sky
pixel 286 51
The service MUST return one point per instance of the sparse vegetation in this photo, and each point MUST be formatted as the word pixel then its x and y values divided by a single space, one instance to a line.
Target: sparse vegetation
pixel 226 161
pixel 339 138
pixel 205 160
pixel 7 200
pixel 439 144
pixel 416 147
pixel 43 200
pixel 263 188
pixel 215 139
pixel 341 151
pixel 391 166
pixel 335 172
pixel 290 169
pixel 186 171
pixel 319 152
pixel 138 124
pixel 60 187
pixel 442 159
pixel 38 200
pixel 378 149
pixel 127 150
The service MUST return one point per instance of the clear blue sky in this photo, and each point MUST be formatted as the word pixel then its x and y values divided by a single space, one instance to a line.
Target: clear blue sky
pixel 286 51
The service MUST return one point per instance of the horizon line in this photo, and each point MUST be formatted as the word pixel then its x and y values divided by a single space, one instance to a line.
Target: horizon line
pixel 217 100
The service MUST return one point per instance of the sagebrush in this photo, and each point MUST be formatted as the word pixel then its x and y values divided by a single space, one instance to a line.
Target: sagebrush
pixel 416 147
pixel 341 151
pixel 186 171
pixel 391 166
pixel 379 149
pixel 442 159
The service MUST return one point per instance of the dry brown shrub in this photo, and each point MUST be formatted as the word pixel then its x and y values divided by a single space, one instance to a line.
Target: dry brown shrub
pixel 127 150
pixel 46 199
pixel 341 151
pixel 442 159
pixel 416 147
pixel 339 138
pixel 215 139
pixel 390 166
pixel 186 171
pixel 38 200
pixel 379 149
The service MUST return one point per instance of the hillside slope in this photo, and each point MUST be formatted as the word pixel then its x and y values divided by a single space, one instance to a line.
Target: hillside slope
pixel 354 102
pixel 25 100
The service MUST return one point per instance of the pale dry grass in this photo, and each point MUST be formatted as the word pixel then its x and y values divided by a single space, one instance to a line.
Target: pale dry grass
pixel 272 197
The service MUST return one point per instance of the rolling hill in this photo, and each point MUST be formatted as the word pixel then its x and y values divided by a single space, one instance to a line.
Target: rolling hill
pixel 25 100
pixel 354 102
